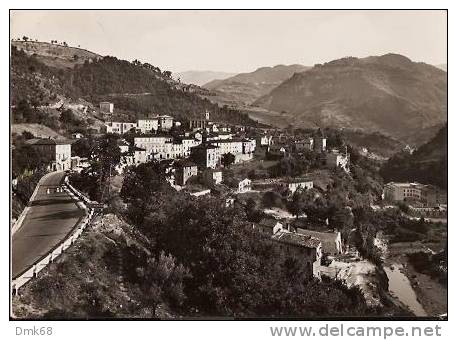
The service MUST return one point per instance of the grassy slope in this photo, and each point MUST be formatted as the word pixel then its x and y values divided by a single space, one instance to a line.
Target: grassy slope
pixel 90 279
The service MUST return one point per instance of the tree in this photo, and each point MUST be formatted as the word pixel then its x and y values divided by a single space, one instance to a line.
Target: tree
pixel 297 204
pixel 163 281
pixel 105 156
pixel 228 159
pixel 25 38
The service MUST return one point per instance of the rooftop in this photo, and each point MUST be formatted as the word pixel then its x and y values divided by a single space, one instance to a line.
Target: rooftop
pixel 328 239
pixel 295 239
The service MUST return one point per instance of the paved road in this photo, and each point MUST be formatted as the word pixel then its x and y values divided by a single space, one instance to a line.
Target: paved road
pixel 50 218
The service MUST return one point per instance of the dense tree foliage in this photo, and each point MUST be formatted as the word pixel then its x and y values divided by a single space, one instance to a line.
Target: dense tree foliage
pixel 233 270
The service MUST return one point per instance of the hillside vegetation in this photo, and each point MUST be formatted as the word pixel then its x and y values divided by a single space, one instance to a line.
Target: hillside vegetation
pixel 427 165
pixel 135 88
pixel 388 94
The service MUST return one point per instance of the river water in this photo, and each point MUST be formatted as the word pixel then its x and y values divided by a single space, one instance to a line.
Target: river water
pixel 400 287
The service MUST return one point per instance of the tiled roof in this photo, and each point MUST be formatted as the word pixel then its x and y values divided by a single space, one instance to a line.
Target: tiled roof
pixel 296 239
pixel 328 239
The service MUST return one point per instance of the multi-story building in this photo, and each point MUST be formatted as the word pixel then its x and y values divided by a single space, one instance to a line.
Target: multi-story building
pixel 165 122
pixel 233 146
pixel 172 150
pixel 396 192
pixel 56 152
pixel 185 170
pixel 148 124
pixel 119 127
pixel 206 155
pixel 154 144
pixel 187 144
pixel 304 248
pixel 106 107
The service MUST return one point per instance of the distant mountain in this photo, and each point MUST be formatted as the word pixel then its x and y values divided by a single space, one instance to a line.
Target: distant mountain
pixel 201 77
pixel 244 88
pixel 442 67
pixel 389 94
pixel 427 165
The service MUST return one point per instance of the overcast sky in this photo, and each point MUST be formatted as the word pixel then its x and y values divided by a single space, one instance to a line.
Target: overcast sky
pixel 240 41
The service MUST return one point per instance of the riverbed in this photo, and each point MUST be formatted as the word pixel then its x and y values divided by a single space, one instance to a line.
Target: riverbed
pixel 400 287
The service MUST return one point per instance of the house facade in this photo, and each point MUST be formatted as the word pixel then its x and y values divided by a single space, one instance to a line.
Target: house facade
pixel 206 155
pixel 119 127
pixel 184 171
pixel 306 249
pixel 148 124
pixel 56 152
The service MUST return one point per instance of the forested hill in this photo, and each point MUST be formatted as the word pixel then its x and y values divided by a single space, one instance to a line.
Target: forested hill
pixel 427 165
pixel 135 88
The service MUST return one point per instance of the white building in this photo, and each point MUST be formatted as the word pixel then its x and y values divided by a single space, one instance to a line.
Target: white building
pixel 293 185
pixel 148 124
pixel 56 152
pixel 233 146
pixel 244 185
pixel 119 127
pixel 154 144
pixel 106 107
pixel 396 192
pixel 165 122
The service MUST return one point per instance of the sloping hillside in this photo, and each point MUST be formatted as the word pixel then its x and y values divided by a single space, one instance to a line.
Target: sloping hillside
pixel 442 67
pixel 56 55
pixel 135 88
pixel 201 77
pixel 244 88
pixel 389 94
pixel 427 165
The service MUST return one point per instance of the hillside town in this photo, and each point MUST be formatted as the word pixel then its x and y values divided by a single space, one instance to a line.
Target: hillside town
pixel 197 153
pixel 292 191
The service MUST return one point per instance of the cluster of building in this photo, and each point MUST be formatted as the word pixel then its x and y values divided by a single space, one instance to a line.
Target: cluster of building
pixel 144 125
pixel 282 145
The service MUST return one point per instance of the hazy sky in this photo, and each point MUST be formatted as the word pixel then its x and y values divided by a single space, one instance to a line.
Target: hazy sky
pixel 240 41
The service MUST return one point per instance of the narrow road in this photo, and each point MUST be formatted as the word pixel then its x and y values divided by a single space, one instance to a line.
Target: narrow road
pixel 50 218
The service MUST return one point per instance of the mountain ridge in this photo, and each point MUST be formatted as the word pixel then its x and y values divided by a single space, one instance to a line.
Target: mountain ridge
pixel 387 93
pixel 244 88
